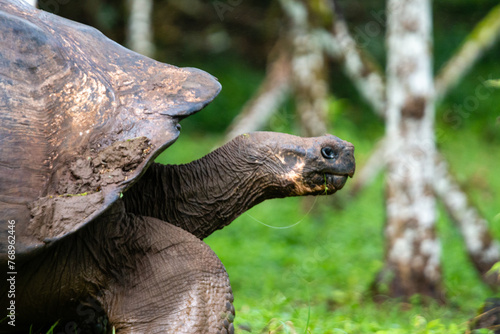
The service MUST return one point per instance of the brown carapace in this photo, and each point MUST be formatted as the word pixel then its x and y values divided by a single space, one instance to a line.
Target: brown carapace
pixel 104 237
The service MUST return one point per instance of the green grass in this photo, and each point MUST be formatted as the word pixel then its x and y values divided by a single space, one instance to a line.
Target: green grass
pixel 314 276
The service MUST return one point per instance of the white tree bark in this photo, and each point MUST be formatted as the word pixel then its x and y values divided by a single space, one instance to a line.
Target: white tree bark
pixel 358 65
pixel 413 248
pixel 140 32
pixel 271 94
pixel 483 251
pixel 308 69
pixel 310 86
pixel 300 68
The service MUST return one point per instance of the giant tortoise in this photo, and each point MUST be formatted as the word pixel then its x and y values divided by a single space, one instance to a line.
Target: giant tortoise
pixel 94 235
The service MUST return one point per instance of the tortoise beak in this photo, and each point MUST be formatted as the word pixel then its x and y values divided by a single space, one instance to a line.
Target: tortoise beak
pixel 328 163
pixel 333 163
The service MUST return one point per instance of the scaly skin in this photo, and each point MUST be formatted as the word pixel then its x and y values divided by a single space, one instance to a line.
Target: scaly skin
pixel 209 193
pixel 142 268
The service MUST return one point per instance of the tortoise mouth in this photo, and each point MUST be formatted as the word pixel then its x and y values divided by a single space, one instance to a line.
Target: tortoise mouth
pixel 326 183
pixel 334 182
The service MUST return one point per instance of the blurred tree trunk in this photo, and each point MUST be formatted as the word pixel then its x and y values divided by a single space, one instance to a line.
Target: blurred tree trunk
pixel 308 66
pixel 416 172
pixel 272 92
pixel 299 67
pixel 412 260
pixel 483 250
pixel 358 65
pixel 139 30
pixel 364 73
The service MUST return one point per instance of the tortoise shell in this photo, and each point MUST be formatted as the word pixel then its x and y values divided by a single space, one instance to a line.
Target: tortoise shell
pixel 81 118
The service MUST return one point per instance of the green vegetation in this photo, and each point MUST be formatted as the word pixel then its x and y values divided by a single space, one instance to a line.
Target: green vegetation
pixel 315 276
pixel 312 274
pixel 325 264
pixel 51 329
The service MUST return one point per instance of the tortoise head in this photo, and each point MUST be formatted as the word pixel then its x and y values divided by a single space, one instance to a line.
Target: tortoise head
pixel 301 166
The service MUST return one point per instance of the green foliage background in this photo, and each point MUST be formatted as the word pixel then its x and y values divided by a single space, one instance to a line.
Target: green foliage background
pixel 325 262
pixel 315 276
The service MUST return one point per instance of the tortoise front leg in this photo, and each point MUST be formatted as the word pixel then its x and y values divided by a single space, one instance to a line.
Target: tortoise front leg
pixel 178 285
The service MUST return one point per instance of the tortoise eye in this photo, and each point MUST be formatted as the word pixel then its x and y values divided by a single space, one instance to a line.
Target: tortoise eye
pixel 328 153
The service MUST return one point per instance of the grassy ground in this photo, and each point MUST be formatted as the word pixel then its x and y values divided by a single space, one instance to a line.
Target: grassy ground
pixel 306 266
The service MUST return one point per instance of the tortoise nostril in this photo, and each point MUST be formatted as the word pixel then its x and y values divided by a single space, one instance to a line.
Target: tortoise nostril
pixel 328 153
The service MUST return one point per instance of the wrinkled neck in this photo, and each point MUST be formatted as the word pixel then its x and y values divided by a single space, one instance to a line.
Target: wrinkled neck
pixel 204 195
